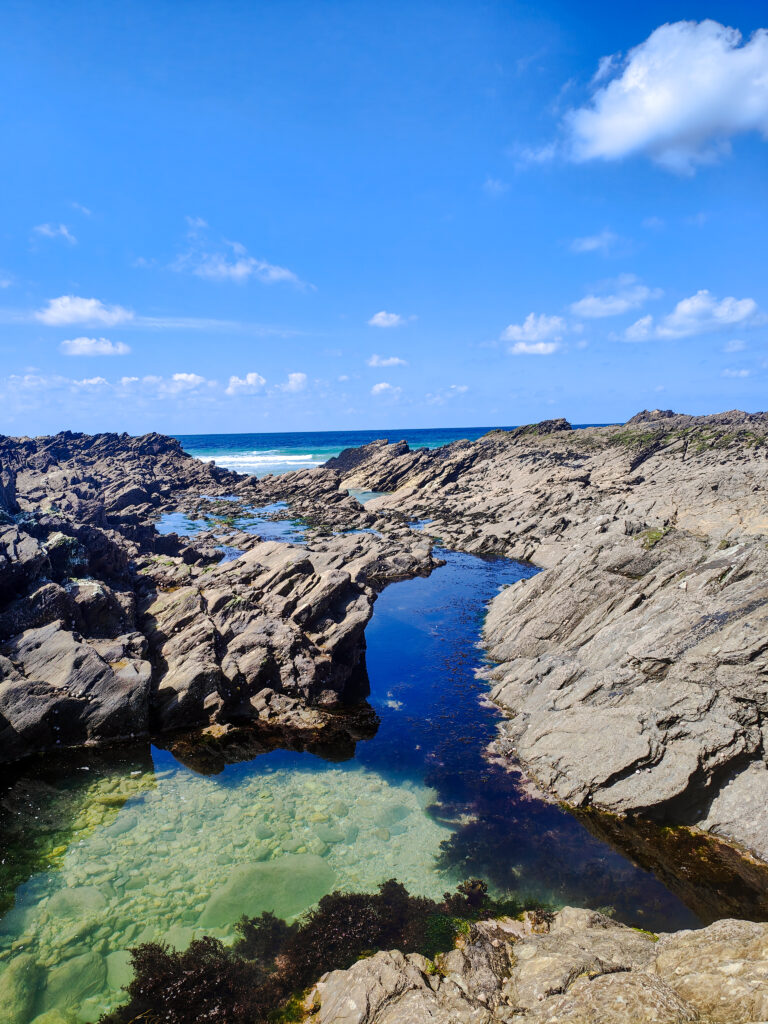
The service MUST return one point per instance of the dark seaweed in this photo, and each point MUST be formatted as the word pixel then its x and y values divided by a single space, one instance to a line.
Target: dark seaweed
pixel 256 980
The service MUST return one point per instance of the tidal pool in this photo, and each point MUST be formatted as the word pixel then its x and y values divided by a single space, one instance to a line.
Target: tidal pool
pixel 111 849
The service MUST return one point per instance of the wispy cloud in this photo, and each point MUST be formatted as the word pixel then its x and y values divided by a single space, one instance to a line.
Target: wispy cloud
pixel 446 394
pixel 384 319
pixel 736 373
pixel 629 294
pixel 93 347
pixel 495 187
pixel 534 348
pixel 55 231
pixel 227 261
pixel 377 360
pixel 603 242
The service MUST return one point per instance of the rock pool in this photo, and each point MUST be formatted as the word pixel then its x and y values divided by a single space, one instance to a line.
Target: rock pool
pixel 113 848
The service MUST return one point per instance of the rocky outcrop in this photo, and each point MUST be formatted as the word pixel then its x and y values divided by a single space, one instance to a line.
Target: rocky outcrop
pixel 634 670
pixel 110 630
pixel 578 968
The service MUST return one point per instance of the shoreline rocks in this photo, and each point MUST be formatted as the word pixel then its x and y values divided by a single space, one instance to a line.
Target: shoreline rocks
pixel 110 630
pixel 634 670
pixel 580 966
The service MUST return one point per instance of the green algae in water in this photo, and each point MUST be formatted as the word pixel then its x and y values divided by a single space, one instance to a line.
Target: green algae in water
pixel 185 856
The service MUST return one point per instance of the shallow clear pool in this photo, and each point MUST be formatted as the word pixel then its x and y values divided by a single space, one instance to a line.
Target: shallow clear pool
pixel 126 846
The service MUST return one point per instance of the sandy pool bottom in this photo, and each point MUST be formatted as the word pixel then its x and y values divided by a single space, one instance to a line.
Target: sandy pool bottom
pixel 187 855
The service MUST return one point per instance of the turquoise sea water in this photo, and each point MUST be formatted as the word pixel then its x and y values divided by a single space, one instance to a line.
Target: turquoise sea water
pixel 277 453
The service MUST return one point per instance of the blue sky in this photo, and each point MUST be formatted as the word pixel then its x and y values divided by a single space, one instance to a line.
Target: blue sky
pixel 271 216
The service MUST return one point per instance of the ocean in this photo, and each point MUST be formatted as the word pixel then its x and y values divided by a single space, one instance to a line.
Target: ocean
pixel 261 454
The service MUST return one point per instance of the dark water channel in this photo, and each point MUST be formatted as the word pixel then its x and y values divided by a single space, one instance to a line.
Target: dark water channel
pixel 110 849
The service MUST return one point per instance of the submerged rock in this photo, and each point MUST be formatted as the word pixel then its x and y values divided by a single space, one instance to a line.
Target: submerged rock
pixel 285 887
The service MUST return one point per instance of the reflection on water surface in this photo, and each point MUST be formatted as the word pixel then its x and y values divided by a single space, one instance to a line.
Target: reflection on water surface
pixel 131 845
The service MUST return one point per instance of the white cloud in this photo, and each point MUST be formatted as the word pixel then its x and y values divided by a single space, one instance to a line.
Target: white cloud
pixel 81 209
pixel 226 261
pixel 535 328
pixel 219 267
pixel 534 348
pixel 601 242
pixel 385 389
pixel 384 319
pixel 376 360
pixel 91 384
pixel 250 384
pixel 94 347
pixel 630 294
pixel 296 382
pixel 446 394
pixel 640 330
pixel 701 313
pixel 167 387
pixel 71 309
pixel 678 97
pixel 495 187
pixel 736 373
pixel 55 231
pixel 734 346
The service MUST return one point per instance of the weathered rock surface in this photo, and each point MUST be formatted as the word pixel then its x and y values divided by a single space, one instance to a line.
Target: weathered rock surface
pixel 110 630
pixel 635 669
pixel 582 968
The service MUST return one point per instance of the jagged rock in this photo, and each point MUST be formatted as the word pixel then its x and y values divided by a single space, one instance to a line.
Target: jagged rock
pixel 108 629
pixel 582 968
pixel 635 668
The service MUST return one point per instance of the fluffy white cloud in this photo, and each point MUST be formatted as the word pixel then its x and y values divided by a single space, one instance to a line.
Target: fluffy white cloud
pixel 55 231
pixel 534 348
pixel 678 97
pixel 385 389
pixel 72 309
pixel 601 242
pixel 736 373
pixel 296 382
pixel 629 294
pixel 701 313
pixel 384 319
pixel 94 347
pixel 250 384
pixel 535 328
pixel 386 361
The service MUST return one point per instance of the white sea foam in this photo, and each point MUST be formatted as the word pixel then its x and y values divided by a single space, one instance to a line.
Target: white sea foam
pixel 263 461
